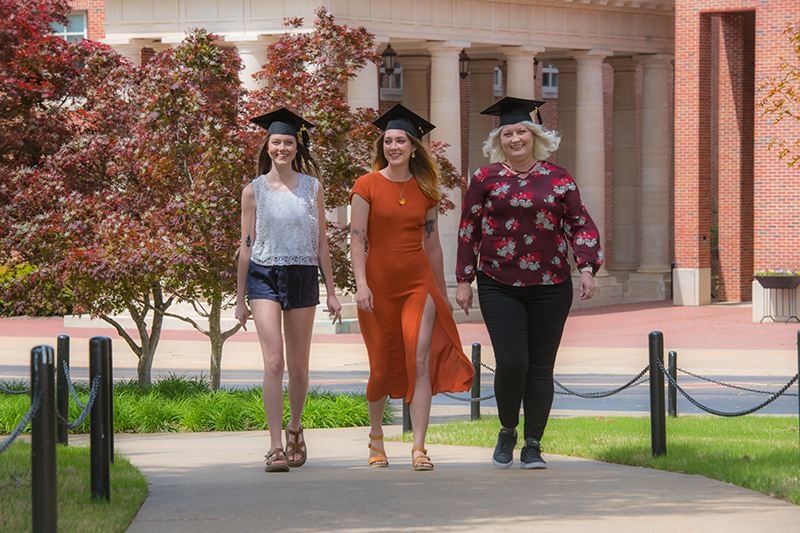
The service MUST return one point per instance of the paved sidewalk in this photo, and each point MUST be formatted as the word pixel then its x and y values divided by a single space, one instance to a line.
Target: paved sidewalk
pixel 211 482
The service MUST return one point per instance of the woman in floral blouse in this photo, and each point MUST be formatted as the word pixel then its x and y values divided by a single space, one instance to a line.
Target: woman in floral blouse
pixel 520 216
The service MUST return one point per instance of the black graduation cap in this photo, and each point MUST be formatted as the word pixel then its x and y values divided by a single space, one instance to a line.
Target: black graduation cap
pixel 402 118
pixel 284 122
pixel 514 110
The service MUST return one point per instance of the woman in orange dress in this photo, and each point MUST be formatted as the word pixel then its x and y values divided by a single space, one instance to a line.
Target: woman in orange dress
pixel 403 310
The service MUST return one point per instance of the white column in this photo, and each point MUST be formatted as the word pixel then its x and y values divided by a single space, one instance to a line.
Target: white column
pixel 567 99
pixel 131 51
pixel 519 82
pixel 481 96
pixel 415 83
pixel 589 169
pixel 363 90
pixel 653 278
pixel 625 167
pixel 446 116
pixel 252 50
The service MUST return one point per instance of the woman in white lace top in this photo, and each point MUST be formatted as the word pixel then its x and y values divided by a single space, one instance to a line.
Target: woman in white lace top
pixel 284 249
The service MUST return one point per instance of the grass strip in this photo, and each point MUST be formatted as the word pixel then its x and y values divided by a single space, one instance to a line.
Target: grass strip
pixel 76 511
pixel 181 404
pixel 761 453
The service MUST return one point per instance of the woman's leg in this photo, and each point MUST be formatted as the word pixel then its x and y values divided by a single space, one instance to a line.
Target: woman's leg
pixel 506 320
pixel 297 325
pixel 267 317
pixel 548 309
pixel 376 411
pixel 420 406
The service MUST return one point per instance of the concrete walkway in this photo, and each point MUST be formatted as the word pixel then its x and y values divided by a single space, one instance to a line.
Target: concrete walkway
pixel 212 482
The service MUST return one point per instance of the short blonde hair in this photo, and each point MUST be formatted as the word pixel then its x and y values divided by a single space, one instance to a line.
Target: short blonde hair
pixel 544 142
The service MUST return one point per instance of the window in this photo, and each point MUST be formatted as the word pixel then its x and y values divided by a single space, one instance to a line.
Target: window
pixel 498 82
pixel 392 86
pixel 549 81
pixel 76 29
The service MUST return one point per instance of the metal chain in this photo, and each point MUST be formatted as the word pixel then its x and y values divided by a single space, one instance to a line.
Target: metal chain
pixel 35 402
pixel 470 400
pixel 720 413
pixel 15 481
pixel 86 409
pixel 487 367
pixel 69 384
pixel 732 386
pixel 9 391
pixel 605 394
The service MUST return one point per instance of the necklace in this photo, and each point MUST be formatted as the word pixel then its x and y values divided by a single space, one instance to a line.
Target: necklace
pixel 520 172
pixel 401 201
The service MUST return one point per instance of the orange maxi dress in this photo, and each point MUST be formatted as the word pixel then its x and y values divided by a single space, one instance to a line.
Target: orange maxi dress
pixel 400 278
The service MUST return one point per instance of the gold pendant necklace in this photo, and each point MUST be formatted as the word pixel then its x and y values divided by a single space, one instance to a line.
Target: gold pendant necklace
pixel 401 201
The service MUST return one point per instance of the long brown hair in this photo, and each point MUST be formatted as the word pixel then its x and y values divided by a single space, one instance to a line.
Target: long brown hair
pixel 422 166
pixel 303 162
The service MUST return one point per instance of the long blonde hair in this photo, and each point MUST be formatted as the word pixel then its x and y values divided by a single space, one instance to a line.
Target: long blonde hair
pixel 422 166
pixel 544 142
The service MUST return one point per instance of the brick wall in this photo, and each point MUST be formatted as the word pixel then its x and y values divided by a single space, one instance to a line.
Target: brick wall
pixel 95 16
pixel 722 139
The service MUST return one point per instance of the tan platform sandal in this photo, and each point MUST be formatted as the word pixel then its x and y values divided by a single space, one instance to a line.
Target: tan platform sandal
pixel 293 447
pixel 276 461
pixel 421 462
pixel 380 460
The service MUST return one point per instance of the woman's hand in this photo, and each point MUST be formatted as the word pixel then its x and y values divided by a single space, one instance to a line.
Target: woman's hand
pixel 464 296
pixel 364 299
pixel 334 308
pixel 242 314
pixel 586 285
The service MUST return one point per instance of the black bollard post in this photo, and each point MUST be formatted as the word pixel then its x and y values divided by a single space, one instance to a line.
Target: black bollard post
pixel 99 456
pixel 658 419
pixel 43 442
pixel 110 399
pixel 475 406
pixel 62 389
pixel 406 418
pixel 672 392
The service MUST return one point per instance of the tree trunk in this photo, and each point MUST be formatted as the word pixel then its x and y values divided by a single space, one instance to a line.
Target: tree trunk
pixel 217 337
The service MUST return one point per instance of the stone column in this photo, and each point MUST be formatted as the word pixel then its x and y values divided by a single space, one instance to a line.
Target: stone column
pixel 415 83
pixel 131 50
pixel 481 97
pixel 625 168
pixel 653 278
pixel 252 49
pixel 363 90
pixel 519 81
pixel 589 169
pixel 446 115
pixel 567 100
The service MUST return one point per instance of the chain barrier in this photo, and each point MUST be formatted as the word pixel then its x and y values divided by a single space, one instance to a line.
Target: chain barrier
pixel 26 419
pixel 732 386
pixel 71 387
pixel 605 394
pixel 85 413
pixel 720 413
pixel 468 400
pixel 9 391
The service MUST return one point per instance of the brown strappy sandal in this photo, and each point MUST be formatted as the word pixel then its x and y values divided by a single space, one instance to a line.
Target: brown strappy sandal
pixel 293 447
pixel 379 460
pixel 272 457
pixel 421 462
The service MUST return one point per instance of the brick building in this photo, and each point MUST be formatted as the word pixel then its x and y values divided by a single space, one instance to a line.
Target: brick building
pixel 614 103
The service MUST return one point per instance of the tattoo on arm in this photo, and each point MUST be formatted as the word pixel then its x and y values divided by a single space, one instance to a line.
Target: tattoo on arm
pixel 358 232
pixel 429 226
pixel 321 271
pixel 248 242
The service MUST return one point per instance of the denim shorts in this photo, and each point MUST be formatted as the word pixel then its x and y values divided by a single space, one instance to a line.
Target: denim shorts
pixel 293 286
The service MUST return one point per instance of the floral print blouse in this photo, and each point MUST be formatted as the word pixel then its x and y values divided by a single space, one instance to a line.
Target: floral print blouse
pixel 516 229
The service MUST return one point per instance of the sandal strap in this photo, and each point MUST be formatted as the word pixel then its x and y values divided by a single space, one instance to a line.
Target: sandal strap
pixel 275 455
pixel 418 449
pixel 375 438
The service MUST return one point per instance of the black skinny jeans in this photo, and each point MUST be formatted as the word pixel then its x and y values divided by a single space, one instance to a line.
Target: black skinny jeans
pixel 525 325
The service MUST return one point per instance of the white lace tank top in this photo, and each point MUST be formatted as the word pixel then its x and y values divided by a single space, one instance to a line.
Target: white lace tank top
pixel 287 224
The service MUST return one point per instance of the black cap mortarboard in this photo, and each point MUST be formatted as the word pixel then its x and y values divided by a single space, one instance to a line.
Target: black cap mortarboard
pixel 402 118
pixel 514 110
pixel 284 122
